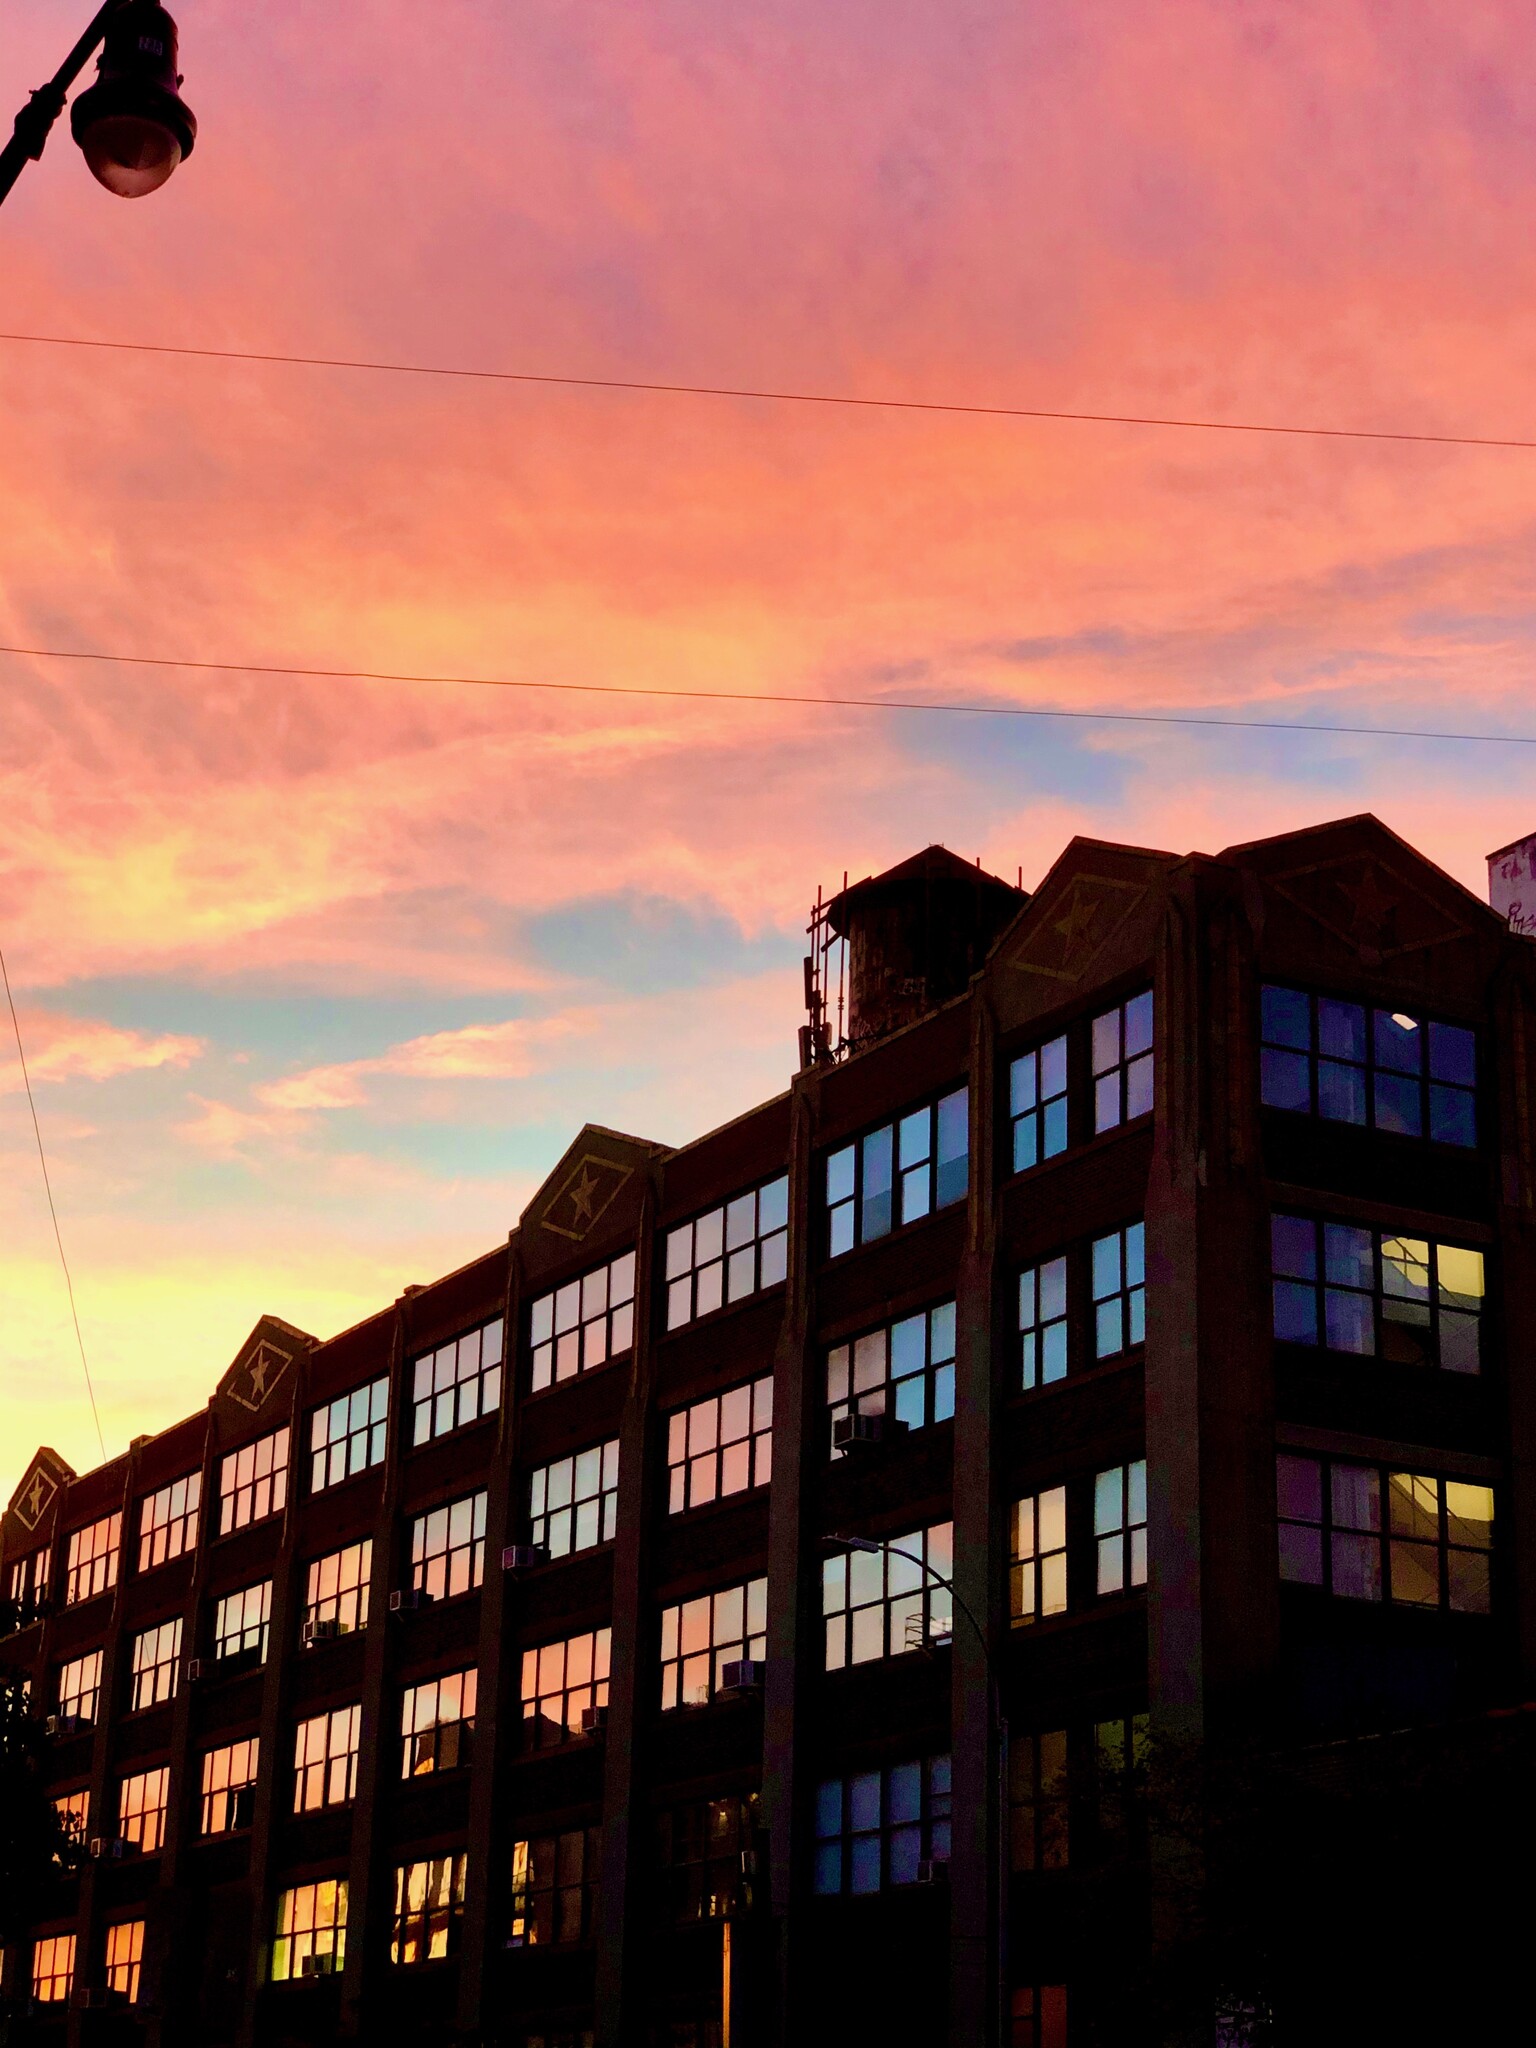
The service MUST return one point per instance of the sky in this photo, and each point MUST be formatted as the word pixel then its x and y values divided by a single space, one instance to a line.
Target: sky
pixel 318 978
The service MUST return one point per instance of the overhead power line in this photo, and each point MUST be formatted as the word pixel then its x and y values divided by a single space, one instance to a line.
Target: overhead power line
pixel 777 397
pixel 58 1238
pixel 807 699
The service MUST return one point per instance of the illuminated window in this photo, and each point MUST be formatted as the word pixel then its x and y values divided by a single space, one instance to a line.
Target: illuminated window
pixel 700 1637
pixel 729 1253
pixel 1043 1324
pixel 1409 1300
pixel 701 1845
pixel 1037 1091
pixel 561 1682
pixel 720 1446
pixel 325 1760
pixel 875 1828
pixel 125 1958
pixel 584 1324
pixel 229 1787
pixel 336 1588
pixel 555 1888
pixel 253 1481
pixel 1120 1526
pixel 905 1370
pixel 156 1661
pixel 94 1554
pixel 1389 1070
pixel 898 1173
pixel 1038 1803
pixel 27 1585
pixel 877 1604
pixel 448 1548
pixel 53 1968
pixel 1119 1290
pixel 457 1383
pixel 1364 1532
pixel 80 1686
pixel 168 1521
pixel 242 1623
pixel 1122 1063
pixel 429 1909
pixel 573 1504
pixel 311 1930
pixel 437 1723
pixel 141 1805
pixel 1037 2016
pixel 1037 1556
pixel 348 1435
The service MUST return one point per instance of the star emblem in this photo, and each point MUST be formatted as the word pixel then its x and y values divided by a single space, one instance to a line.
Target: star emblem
pixel 1082 913
pixel 261 1365
pixel 1372 905
pixel 37 1496
pixel 582 1198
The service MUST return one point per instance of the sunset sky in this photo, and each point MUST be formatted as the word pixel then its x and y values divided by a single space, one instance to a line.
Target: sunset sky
pixel 318 979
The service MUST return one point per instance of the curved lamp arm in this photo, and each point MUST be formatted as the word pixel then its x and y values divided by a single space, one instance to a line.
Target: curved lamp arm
pixel 35 121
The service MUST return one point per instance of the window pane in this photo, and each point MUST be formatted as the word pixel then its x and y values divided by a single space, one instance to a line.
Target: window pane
pixel 1293 1241
pixel 1340 1092
pixel 1286 1080
pixel 1286 1018
pixel 1340 1029
pixel 1399 1042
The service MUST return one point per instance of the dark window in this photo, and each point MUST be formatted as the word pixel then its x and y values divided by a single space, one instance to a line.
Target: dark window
pixel 1364 1532
pixel 1410 1300
pixel 729 1253
pixel 555 1888
pixel 1038 1803
pixel 1121 1748
pixel 700 1637
pixel 561 1682
pixel 253 1481
pixel 701 1847
pixel 348 1435
pixel 448 1548
pixel 429 1909
pixel 878 1603
pixel 905 1370
pixel 573 1504
pixel 585 1324
pixel 437 1724
pixel 720 1446
pixel 1387 1070
pixel 875 1828
pixel 1122 1063
pixel 168 1521
pixel 898 1173
pixel 1119 1290
pixel 1120 1526
pixel 457 1383
pixel 1037 1556
pixel 1037 1104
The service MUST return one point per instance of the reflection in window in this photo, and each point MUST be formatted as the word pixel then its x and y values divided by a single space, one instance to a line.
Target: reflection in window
pixel 448 1548
pixel 1038 1803
pixel 874 1828
pixel 555 1888
pixel 141 1806
pixel 93 1559
pixel 1037 2016
pixel 1037 1556
pixel 1388 1070
pixel 1120 1290
pixel 336 1589
pixel 584 1324
pixel 311 1930
pixel 574 1503
pixel 701 1845
pixel 27 1585
pixel 429 1909
pixel 348 1434
pixel 1043 1323
pixel 325 1760
pixel 168 1521
pixel 457 1383
pixel 156 1663
pixel 124 1958
pixel 1122 1063
pixel 242 1621
pixel 437 1724
pixel 905 1370
pixel 898 1173
pixel 1120 1526
pixel 878 1604
pixel 1363 1532
pixel 1037 1104
pixel 53 1968
pixel 728 1254
pixel 1410 1300
pixel 700 1637
pixel 80 1686
pixel 720 1446
pixel 562 1681
pixel 253 1481
pixel 229 1787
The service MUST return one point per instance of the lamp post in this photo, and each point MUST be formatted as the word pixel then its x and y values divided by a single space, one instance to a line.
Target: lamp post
pixel 872 1547
pixel 132 125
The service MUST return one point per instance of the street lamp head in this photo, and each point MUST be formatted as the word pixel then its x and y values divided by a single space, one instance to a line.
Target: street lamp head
pixel 132 124
pixel 861 1543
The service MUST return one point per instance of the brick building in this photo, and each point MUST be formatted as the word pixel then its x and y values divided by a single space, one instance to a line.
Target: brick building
pixel 1147 1258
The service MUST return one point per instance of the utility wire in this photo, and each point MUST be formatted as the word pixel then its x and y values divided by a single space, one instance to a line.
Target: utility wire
pixel 833 398
pixel 806 698
pixel 52 1211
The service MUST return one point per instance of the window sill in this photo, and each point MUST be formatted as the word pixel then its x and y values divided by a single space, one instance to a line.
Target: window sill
pixel 576 1379
pixel 1096 1143
pixel 897 1232
pixel 728 1308
pixel 1090 1375
pixel 723 1500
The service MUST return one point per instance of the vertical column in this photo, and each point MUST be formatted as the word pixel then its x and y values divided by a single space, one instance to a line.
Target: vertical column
pixel 1514 1103
pixel 977 1892
pixel 794 1658
pixel 620 1946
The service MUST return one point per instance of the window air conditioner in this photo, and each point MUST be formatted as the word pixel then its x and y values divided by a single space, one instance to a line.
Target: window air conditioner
pixel 317 1965
pixel 63 1724
pixel 194 1670
pixel 850 1431
pixel 92 1997
pixel 933 1871
pixel 744 1675
pixel 406 1600
pixel 522 1557
pixel 108 1848
pixel 324 1631
pixel 593 1720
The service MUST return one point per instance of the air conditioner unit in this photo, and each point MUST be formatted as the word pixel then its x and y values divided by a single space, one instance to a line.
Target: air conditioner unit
pixel 326 1631
pixel 63 1724
pixel 406 1600
pixel 849 1432
pixel 317 1965
pixel 109 1848
pixel 92 1997
pixel 522 1557
pixel 933 1872
pixel 593 1720
pixel 742 1676
pixel 194 1670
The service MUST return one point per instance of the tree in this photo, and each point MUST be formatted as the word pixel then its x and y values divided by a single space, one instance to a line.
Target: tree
pixel 35 1847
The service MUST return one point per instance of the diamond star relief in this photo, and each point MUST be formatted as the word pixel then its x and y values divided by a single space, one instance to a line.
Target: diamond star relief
pixel 581 1197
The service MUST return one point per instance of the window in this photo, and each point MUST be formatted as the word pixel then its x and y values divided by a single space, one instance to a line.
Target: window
pixel 72 1809
pixel 1037 1556
pixel 253 1481
pixel 1385 1069
pixel 242 1622
pixel 574 1503
pixel 168 1521
pixel 1122 1063
pixel 1409 1300
pixel 701 1845
pixel 1043 1323
pixel 1120 1526
pixel 560 1682
pixel 125 1958
pixel 141 1804
pixel 555 1888
pixel 1038 1801
pixel 877 1604
pixel 457 1383
pixel 700 1637
pixel 93 1559
pixel 448 1548
pixel 1119 1290
pixel 80 1686
pixel 1364 1533
pixel 1037 1104
pixel 437 1724
pixel 27 1586
pixel 728 1254
pixel 1037 2016
pixel 348 1435
pixel 311 1930
pixel 156 1655
pixel 325 1760
pixel 720 1446
pixel 1121 1748
pixel 336 1588
pixel 875 1828
pixel 898 1173
pixel 53 1968
pixel 905 1370
pixel 429 1909
pixel 229 1787
pixel 583 1324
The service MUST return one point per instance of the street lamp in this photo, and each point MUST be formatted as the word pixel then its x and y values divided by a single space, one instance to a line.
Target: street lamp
pixel 870 1546
pixel 132 125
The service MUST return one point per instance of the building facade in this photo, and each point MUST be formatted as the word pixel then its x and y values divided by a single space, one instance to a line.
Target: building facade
pixel 1142 1291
